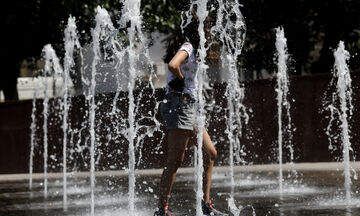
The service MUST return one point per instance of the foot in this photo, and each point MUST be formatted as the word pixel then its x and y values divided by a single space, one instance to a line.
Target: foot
pixel 208 209
pixel 163 211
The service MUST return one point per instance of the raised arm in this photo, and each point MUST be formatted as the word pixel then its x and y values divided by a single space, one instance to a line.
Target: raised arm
pixel 174 64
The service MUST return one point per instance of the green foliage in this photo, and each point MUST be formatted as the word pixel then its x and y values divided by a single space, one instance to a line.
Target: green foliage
pixel 160 15
pixel 31 24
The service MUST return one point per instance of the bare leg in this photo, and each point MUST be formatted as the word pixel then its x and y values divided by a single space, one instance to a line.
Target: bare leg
pixel 177 142
pixel 210 155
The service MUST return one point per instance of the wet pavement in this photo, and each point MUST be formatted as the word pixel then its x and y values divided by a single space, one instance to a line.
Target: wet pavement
pixel 315 191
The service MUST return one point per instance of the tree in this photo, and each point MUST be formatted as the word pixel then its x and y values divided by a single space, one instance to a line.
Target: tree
pixel 313 29
pixel 31 24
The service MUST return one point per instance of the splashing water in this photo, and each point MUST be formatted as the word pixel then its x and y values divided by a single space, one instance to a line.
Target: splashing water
pixel 233 44
pixel 71 42
pixel 32 136
pixel 129 24
pixel 131 11
pixel 282 90
pixel 137 47
pixel 343 95
pixel 231 33
pixel 201 77
pixel 52 67
pixel 103 28
pixel 106 45
pixel 45 141
pixel 105 32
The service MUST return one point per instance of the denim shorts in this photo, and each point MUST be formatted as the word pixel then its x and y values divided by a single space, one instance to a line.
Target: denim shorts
pixel 178 112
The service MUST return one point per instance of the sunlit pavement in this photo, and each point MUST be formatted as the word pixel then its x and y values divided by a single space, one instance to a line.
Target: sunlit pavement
pixel 317 190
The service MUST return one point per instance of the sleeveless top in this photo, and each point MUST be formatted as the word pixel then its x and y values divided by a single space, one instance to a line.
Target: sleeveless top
pixel 188 68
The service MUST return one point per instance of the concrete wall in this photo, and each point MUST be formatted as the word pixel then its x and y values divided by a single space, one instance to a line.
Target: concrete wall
pixel 259 136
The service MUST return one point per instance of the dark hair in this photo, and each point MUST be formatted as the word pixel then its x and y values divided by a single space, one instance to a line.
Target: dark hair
pixel 188 34
pixel 191 33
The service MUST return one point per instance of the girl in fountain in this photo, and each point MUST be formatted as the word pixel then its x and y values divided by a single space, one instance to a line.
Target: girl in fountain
pixel 178 113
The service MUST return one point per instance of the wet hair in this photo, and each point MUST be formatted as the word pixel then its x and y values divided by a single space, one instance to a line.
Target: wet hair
pixel 188 34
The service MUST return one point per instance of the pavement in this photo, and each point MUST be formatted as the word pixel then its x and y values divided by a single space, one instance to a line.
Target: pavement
pixel 319 166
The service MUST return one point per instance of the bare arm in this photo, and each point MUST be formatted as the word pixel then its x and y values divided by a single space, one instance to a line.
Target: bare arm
pixel 174 64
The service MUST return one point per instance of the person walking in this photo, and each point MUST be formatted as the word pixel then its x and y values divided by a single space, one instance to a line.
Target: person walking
pixel 179 115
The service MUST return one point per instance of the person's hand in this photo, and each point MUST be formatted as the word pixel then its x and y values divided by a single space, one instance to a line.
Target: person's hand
pixel 177 84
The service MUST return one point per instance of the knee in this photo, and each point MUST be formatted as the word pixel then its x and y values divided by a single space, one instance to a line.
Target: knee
pixel 174 163
pixel 213 154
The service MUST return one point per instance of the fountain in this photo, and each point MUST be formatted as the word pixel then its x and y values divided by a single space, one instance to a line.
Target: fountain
pixel 52 67
pixel 231 29
pixel 103 23
pixel 71 42
pixel 282 91
pixel 343 97
pixel 32 136
pixel 202 12
pixel 133 52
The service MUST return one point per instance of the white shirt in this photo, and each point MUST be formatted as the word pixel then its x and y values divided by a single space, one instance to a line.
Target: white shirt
pixel 188 68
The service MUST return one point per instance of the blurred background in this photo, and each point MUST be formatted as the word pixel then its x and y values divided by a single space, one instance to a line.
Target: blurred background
pixel 313 30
